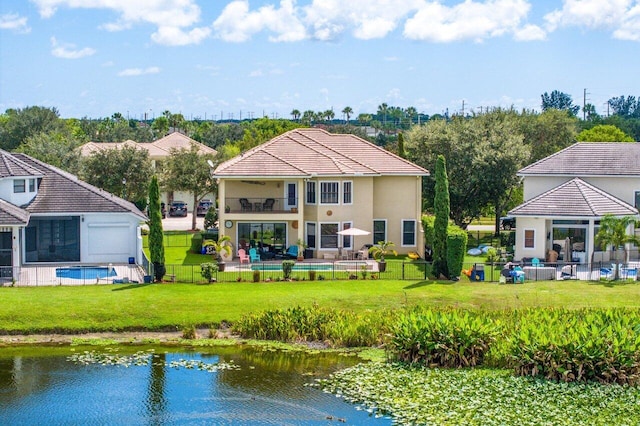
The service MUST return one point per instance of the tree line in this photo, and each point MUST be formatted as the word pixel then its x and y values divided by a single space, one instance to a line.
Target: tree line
pixel 483 151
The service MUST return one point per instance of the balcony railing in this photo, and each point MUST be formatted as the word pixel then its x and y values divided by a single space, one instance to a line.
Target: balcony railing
pixel 260 205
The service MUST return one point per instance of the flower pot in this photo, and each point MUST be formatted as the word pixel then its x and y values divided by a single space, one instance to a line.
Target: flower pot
pixel 221 266
pixel 382 266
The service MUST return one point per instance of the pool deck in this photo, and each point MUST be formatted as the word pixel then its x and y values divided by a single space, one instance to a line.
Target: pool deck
pixel 324 265
pixel 45 275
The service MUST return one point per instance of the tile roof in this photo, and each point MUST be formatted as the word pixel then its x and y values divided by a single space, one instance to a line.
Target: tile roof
pixel 315 152
pixel 160 148
pixel 11 166
pixel 12 215
pixel 575 198
pixel 589 159
pixel 61 192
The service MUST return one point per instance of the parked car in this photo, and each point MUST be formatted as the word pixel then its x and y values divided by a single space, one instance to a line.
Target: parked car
pixel 178 208
pixel 203 207
pixel 507 223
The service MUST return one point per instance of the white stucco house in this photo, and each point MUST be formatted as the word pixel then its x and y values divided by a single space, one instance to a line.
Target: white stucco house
pixel 50 217
pixel 566 195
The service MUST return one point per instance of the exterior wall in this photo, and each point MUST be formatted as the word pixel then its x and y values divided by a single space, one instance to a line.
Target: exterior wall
pixel 110 238
pixel 540 238
pixel 623 188
pixel 21 198
pixel 393 198
pixel 398 198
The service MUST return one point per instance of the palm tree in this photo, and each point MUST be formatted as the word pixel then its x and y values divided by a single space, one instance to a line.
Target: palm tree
pixel 383 108
pixel 614 233
pixel 295 114
pixel 364 119
pixel 329 114
pixel 411 112
pixel 347 111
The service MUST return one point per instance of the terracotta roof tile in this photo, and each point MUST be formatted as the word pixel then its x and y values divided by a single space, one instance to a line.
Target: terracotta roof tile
pixel 307 152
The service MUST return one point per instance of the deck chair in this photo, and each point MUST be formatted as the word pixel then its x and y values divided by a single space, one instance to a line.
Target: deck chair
pixel 291 253
pixel 244 257
pixel 245 205
pixel 267 206
pixel 253 255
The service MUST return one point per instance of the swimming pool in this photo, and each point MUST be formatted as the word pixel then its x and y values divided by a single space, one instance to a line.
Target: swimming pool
pixel 296 267
pixel 85 272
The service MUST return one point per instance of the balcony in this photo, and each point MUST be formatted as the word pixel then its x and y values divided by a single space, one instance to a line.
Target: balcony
pixel 260 205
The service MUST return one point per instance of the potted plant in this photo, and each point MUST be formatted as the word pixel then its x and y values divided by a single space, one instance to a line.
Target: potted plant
pixel 301 247
pixel 222 247
pixel 380 250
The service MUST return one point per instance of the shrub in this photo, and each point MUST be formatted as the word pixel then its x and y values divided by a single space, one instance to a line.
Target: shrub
pixel 584 346
pixel 287 267
pixel 196 243
pixel 208 270
pixel 443 338
pixel 189 332
pixel 456 249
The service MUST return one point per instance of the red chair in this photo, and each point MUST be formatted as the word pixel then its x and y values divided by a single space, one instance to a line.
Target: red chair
pixel 244 257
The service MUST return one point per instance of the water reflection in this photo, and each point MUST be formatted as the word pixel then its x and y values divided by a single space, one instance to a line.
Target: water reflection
pixel 268 389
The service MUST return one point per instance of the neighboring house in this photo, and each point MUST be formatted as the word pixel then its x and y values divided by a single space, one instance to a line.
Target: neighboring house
pixel 48 216
pixel 567 193
pixel 309 184
pixel 159 151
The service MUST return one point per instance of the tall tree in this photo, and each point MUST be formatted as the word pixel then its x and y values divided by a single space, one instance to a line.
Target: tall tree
pixel 559 100
pixel 401 152
pixel 295 114
pixel 347 111
pixel 627 106
pixel 547 133
pixel 58 148
pixel 156 237
pixel 17 125
pixel 441 221
pixel 188 170
pixel 124 172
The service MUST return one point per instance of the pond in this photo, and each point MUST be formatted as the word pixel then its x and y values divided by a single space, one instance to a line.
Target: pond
pixel 170 386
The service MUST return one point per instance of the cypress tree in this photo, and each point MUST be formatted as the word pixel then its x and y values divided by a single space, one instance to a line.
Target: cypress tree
pixel 401 152
pixel 156 243
pixel 441 209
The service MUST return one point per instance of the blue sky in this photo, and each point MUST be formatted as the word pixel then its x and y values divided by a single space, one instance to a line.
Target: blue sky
pixel 244 59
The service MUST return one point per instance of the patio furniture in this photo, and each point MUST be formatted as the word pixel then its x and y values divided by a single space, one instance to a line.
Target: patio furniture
pixel 267 206
pixel 291 253
pixel 245 205
pixel 244 257
pixel 253 255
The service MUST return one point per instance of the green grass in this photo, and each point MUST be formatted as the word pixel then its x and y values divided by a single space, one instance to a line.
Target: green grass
pixel 171 306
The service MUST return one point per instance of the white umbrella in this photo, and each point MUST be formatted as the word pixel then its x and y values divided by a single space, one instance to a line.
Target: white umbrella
pixel 353 232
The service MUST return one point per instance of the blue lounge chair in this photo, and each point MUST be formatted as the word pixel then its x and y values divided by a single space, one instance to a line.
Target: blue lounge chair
pixel 253 255
pixel 291 253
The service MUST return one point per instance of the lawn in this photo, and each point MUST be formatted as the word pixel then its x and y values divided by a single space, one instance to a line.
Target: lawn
pixel 171 306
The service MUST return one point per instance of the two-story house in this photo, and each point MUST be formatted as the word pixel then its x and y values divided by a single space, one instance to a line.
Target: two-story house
pixel 159 151
pixel 308 184
pixel 48 216
pixel 567 193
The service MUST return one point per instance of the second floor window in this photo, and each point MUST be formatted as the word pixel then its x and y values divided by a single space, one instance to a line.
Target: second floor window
pixel 19 186
pixel 32 185
pixel 329 192
pixel 346 193
pixel 311 192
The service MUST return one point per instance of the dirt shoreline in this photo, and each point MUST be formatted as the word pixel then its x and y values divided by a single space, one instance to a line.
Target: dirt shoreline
pixel 120 337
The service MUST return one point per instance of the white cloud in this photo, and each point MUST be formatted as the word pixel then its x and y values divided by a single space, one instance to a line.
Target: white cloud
pixel 14 22
pixel 238 24
pixel 529 33
pixel 256 73
pixel 173 18
pixel 588 13
pixel 466 21
pixel 68 50
pixel 327 20
pixel 134 72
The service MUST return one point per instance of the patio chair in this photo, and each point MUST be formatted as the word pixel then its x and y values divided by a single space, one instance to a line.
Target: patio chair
pixel 267 206
pixel 245 205
pixel 253 255
pixel 291 253
pixel 244 257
